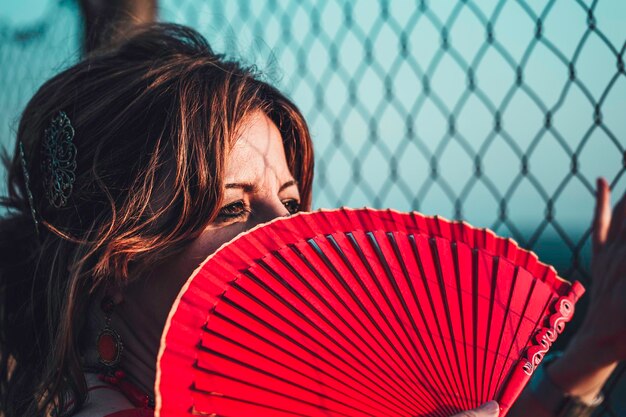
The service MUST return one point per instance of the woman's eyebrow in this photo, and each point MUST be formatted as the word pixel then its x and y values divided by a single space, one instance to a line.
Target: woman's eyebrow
pixel 249 187
pixel 287 185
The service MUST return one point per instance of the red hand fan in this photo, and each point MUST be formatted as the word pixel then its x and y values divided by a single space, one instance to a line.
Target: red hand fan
pixel 359 313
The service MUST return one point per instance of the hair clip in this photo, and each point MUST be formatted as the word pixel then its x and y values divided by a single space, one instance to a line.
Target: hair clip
pixel 59 160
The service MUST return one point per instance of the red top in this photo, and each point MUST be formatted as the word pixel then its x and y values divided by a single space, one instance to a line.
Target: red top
pixel 107 394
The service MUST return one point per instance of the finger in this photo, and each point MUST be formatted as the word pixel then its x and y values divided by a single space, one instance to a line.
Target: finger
pixel 616 272
pixel 602 215
pixel 618 218
pixel 621 236
pixel 490 409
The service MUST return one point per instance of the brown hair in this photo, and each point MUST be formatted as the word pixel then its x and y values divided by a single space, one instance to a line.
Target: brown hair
pixel 160 108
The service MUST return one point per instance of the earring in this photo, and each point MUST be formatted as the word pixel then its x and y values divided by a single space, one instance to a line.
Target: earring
pixel 109 342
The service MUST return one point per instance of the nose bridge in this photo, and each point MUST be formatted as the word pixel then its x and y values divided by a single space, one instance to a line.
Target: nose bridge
pixel 271 209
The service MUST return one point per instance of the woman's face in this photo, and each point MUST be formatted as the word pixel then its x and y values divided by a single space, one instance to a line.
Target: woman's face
pixel 258 187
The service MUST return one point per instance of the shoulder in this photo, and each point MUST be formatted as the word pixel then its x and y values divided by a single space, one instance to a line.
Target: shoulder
pixel 104 400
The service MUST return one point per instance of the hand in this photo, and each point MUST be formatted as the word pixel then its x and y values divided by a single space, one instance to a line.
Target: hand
pixel 490 409
pixel 600 342
pixel 604 327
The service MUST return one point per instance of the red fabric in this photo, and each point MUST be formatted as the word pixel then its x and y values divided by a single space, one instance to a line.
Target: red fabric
pixel 133 412
pixel 132 393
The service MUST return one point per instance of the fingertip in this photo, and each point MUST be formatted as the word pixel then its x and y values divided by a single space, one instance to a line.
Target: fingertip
pixel 492 408
pixel 601 193
pixel 602 198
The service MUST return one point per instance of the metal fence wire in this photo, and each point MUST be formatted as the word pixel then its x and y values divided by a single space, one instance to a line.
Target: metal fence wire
pixel 502 113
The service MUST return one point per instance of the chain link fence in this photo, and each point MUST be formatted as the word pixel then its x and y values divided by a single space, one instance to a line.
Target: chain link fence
pixel 499 112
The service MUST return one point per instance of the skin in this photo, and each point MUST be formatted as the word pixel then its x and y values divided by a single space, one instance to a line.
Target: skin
pixel 260 187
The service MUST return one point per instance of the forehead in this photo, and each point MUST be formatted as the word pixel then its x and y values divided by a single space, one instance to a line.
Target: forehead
pixel 257 152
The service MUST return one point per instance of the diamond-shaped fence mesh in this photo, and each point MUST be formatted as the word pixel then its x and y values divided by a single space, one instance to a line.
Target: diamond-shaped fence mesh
pixel 499 112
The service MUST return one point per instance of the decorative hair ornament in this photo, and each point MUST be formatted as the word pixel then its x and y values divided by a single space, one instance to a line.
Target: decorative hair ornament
pixel 59 160
pixel 29 194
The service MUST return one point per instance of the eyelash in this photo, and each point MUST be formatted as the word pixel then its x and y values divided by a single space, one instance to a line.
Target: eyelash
pixel 238 209
pixel 233 211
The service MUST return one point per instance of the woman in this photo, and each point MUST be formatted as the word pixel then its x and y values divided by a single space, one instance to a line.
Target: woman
pixel 130 168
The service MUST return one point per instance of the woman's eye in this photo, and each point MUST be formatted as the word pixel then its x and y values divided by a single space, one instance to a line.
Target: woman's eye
pixel 292 206
pixel 233 210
